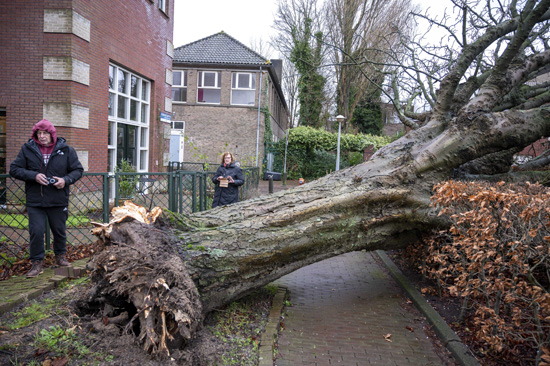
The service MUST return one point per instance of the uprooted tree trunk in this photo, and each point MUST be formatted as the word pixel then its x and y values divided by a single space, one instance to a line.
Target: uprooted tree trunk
pixel 176 271
pixel 168 275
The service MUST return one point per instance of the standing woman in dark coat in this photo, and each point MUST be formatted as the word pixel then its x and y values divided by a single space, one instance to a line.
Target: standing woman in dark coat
pixel 235 178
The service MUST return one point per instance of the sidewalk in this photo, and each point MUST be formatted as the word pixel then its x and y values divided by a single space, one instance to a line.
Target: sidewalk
pixel 347 311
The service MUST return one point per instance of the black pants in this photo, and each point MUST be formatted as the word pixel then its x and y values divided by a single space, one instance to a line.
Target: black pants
pixel 57 217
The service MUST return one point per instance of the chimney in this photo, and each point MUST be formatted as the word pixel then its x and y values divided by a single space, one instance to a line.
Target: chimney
pixel 278 68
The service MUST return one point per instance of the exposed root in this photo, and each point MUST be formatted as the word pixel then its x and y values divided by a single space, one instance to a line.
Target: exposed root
pixel 140 272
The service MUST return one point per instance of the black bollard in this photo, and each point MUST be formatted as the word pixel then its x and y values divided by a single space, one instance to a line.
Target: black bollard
pixel 270 184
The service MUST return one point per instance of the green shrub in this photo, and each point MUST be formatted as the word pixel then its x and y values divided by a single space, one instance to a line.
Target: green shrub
pixel 126 183
pixel 311 153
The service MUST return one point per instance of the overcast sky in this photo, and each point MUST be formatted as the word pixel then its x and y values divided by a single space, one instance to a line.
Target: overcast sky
pixel 245 20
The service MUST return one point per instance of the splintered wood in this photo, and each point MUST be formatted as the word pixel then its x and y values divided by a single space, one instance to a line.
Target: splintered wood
pixel 127 212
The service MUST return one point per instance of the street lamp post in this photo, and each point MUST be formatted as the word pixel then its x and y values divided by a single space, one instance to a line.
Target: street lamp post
pixel 340 119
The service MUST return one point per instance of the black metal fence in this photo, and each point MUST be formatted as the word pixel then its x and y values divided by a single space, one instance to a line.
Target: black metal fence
pixel 95 194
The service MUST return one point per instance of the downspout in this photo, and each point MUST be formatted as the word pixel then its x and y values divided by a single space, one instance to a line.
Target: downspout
pixel 258 128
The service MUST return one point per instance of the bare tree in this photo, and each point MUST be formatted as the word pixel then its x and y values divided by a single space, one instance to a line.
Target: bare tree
pixel 173 275
pixel 361 34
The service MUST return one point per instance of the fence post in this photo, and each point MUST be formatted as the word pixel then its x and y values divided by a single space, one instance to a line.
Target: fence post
pixel 117 183
pixel 194 192
pixel 105 197
pixel 172 192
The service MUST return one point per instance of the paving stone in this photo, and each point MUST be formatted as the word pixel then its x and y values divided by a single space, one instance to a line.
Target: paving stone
pixel 341 310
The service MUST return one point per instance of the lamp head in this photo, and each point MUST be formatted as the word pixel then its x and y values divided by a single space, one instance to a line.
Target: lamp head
pixel 340 118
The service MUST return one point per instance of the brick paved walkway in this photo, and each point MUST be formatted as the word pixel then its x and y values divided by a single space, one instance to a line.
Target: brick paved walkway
pixel 341 310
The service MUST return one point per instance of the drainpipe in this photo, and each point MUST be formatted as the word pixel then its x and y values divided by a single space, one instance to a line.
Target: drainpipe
pixel 258 128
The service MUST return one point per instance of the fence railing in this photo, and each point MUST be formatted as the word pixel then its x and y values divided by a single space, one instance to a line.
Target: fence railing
pixel 95 194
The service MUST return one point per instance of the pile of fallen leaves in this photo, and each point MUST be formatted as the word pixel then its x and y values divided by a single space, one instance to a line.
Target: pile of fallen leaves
pixel 495 261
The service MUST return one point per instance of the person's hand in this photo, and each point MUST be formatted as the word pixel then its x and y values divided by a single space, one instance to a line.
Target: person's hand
pixel 60 182
pixel 230 179
pixel 220 177
pixel 41 179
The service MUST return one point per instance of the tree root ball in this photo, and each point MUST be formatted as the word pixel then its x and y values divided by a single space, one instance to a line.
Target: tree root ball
pixel 141 274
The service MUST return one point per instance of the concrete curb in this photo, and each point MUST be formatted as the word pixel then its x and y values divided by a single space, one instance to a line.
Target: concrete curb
pixel 450 339
pixel 269 336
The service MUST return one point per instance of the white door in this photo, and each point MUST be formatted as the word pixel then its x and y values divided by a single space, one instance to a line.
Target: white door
pixel 177 139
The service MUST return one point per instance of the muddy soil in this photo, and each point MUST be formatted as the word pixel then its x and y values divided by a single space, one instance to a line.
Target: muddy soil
pixel 224 338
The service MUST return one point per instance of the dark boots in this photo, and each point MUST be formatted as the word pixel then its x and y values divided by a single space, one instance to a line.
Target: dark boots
pixel 36 269
pixel 61 261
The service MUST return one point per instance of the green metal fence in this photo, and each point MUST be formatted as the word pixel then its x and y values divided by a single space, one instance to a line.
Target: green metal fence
pixel 95 194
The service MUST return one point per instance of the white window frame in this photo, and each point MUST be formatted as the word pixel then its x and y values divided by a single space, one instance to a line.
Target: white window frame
pixel 141 100
pixel 183 85
pixel 235 76
pixel 200 84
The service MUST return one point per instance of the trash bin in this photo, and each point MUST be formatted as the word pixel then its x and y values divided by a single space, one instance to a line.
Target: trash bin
pixel 275 175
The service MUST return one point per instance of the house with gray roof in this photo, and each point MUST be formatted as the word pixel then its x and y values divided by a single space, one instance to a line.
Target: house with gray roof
pixel 225 97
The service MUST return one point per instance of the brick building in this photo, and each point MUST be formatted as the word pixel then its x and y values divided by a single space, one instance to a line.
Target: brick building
pixel 217 85
pixel 99 70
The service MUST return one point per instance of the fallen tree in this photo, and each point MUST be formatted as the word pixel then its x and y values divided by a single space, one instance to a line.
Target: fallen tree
pixel 168 275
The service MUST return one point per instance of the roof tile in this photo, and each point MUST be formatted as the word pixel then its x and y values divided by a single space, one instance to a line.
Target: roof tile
pixel 219 48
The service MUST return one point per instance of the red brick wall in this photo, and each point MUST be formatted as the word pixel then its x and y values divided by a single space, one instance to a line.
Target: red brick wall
pixel 131 33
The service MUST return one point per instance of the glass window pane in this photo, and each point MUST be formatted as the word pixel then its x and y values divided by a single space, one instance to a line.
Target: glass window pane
pixel 143 138
pixel 121 108
pixel 111 77
pixel 243 97
pixel 134 86
pixel 144 113
pixel 111 104
pixel 199 78
pixel 209 96
pixel 233 80
pixel 176 92
pixel 132 136
pixel 121 81
pixel 145 90
pixel 179 94
pixel 209 79
pixel 177 78
pixel 185 78
pixel 133 110
pixel 120 135
pixel 110 138
pixel 244 81
pixel 143 160
pixel 253 86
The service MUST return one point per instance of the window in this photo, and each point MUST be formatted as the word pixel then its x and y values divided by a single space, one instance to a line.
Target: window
pixel 178 125
pixel 179 86
pixel 209 89
pixel 243 88
pixel 129 109
pixel 162 5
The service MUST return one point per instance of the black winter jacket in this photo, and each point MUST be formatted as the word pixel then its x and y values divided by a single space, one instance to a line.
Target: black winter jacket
pixel 230 194
pixel 63 163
